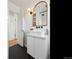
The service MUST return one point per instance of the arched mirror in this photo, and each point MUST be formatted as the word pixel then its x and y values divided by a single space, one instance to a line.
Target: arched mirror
pixel 40 14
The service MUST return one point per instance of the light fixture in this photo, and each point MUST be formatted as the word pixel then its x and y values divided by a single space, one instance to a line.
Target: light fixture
pixel 29 11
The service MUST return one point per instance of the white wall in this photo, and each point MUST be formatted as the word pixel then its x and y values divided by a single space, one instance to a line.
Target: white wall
pixel 13 7
pixel 27 23
pixel 19 29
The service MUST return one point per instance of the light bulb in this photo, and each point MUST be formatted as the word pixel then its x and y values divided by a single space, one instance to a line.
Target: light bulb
pixel 29 9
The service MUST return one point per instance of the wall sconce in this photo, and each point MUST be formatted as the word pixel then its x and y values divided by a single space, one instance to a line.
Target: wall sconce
pixel 30 12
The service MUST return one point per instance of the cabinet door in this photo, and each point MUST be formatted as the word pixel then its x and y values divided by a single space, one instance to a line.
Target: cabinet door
pixel 40 50
pixel 30 46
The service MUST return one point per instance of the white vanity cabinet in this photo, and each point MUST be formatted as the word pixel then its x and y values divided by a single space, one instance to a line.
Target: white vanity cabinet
pixel 30 46
pixel 36 46
pixel 40 48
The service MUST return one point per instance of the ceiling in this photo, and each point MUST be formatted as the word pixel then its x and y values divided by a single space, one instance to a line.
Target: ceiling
pixel 24 3
pixel 21 3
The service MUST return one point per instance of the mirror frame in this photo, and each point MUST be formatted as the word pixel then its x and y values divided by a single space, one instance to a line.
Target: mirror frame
pixel 33 21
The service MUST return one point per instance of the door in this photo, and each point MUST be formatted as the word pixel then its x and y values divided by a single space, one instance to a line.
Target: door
pixel 11 26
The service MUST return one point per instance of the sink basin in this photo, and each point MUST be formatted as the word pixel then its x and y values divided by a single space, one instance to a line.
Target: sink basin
pixel 37 32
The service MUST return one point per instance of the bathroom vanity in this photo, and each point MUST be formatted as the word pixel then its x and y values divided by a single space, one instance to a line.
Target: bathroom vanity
pixel 37 45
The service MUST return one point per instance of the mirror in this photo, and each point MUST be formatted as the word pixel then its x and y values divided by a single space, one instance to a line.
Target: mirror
pixel 40 14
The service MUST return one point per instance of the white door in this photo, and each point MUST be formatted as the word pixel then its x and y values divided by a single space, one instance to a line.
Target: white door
pixel 11 26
